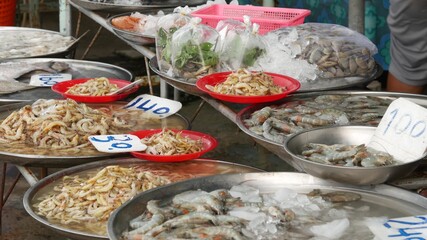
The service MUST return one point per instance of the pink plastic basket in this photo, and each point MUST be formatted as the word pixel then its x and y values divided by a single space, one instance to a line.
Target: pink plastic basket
pixel 268 18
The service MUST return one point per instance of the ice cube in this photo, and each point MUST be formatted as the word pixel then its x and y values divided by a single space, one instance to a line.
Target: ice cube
pixel 331 230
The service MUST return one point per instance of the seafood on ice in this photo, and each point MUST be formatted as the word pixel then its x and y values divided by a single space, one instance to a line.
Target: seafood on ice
pixel 63 126
pixel 86 202
pixel 246 83
pixel 276 122
pixel 244 212
pixel 346 155
pixel 11 71
pixel 21 44
pixel 168 142
pixel 93 87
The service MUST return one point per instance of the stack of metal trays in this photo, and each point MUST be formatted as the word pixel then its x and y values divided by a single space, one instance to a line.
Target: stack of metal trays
pixel 133 5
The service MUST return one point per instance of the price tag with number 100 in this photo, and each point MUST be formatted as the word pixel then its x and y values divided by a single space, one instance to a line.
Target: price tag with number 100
pixel 117 143
pixel 402 131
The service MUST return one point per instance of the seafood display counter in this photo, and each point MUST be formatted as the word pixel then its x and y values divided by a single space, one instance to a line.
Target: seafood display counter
pixel 121 180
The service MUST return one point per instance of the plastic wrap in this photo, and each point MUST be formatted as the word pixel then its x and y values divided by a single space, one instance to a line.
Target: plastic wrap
pixel 193 51
pixel 319 51
pixel 166 26
pixel 240 45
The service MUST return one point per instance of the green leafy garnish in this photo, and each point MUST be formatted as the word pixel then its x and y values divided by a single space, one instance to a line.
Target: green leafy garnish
pixel 202 54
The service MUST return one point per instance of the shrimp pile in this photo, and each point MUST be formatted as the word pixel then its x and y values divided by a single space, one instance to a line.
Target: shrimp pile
pixel 87 202
pixel 59 124
pixel 245 212
pixel 276 122
pixel 346 155
pixel 246 83
pixel 93 87
pixel 168 142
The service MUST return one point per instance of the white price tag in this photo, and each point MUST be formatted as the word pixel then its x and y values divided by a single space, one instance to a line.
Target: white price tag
pixel 414 228
pixel 117 143
pixel 402 131
pixel 48 80
pixel 158 106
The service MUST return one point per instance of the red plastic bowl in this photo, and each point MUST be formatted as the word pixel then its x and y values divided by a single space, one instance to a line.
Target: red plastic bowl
pixel 209 143
pixel 291 85
pixel 62 87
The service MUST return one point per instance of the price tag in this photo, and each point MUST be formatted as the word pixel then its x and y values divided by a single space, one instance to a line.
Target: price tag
pixel 406 228
pixel 402 131
pixel 158 106
pixel 48 80
pixel 117 143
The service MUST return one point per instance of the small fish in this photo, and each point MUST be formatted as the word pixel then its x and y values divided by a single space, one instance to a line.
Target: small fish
pixel 11 71
pixel 14 70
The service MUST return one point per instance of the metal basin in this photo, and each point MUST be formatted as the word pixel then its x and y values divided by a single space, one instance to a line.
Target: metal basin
pixel 53 54
pixel 193 168
pixel 391 198
pixel 60 159
pixel 184 86
pixel 277 148
pixel 110 6
pixel 135 37
pixel 348 135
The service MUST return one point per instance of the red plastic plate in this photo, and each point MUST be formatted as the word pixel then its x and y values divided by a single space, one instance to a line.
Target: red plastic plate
pixel 291 85
pixel 62 87
pixel 209 143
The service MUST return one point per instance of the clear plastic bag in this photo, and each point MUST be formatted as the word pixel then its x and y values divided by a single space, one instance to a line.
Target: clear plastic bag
pixel 193 51
pixel 240 45
pixel 166 27
pixel 320 51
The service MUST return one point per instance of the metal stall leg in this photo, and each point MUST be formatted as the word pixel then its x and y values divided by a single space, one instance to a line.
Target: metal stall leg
pixel 2 184
pixel 3 197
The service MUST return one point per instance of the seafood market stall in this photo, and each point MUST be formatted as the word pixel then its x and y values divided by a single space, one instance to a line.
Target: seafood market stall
pixel 268 124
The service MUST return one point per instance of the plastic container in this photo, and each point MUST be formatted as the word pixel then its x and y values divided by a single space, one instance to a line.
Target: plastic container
pixel 7 12
pixel 269 18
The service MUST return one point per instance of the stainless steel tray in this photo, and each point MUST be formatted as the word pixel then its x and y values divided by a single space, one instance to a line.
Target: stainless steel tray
pixel 184 86
pixel 110 6
pixel 340 83
pixel 318 85
pixel 391 198
pixel 135 37
pixel 62 53
pixel 56 159
pixel 277 148
pixel 78 69
pixel 198 167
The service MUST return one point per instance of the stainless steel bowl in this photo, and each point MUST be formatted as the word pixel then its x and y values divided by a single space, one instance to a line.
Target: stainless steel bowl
pixel 352 135
pixel 135 37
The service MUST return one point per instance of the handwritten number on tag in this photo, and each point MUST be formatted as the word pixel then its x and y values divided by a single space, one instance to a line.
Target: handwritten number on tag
pixel 405 123
pixel 143 106
pixel 48 80
pixel 121 145
pixel 110 139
